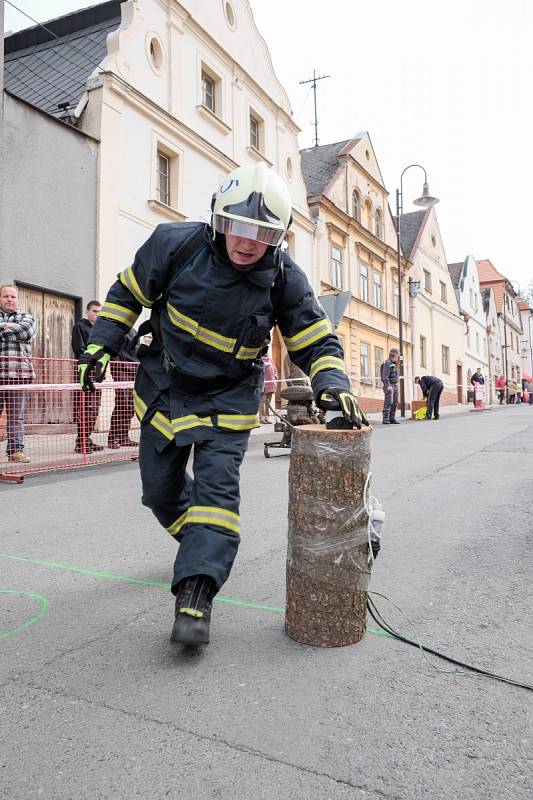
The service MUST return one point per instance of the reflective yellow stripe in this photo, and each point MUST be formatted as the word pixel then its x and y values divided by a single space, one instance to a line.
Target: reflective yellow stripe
pixel 210 515
pixel 119 313
pixel 177 525
pixel 128 279
pixel 247 352
pixel 213 339
pixel 190 421
pixel 192 612
pixel 238 422
pixel 318 330
pixel 162 424
pixel 326 362
pixel 205 335
pixel 181 320
pixel 139 406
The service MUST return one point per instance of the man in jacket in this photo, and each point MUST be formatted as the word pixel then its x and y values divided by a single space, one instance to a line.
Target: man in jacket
pixel 218 290
pixel 86 408
pixel 123 369
pixel 16 332
pixel 431 389
pixel 389 377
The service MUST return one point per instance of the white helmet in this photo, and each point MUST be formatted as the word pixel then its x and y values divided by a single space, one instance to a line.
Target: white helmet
pixel 253 202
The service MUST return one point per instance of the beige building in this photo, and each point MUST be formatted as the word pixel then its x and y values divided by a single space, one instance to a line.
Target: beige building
pixel 509 319
pixel 356 252
pixel 438 331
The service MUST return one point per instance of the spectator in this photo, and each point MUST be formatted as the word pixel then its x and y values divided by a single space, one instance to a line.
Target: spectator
pixel 86 405
pixel 123 368
pixel 16 331
pixel 269 388
pixel 477 377
pixel 512 392
pixel 518 392
pixel 389 378
pixel 529 387
pixel 500 388
pixel 431 389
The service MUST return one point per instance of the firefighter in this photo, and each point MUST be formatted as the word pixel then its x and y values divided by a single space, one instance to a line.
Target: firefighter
pixel 389 378
pixel 431 390
pixel 215 291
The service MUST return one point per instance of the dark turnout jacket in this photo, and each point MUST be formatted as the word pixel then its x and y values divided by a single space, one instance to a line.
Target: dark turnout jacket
pixel 427 382
pixel 215 321
pixel 389 373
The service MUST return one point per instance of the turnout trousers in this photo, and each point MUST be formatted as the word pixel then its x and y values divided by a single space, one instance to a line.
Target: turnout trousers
pixel 200 512
pixel 390 402
pixel 434 394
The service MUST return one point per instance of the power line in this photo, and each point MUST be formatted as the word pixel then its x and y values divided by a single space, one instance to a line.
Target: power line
pixel 76 50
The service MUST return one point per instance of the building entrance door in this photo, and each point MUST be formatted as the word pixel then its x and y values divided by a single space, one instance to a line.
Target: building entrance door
pixel 459 383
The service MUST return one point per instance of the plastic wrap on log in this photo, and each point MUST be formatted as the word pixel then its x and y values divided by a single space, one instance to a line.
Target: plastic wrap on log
pixel 327 558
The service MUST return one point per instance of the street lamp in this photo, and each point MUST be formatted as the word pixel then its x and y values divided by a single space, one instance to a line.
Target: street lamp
pixel 426 200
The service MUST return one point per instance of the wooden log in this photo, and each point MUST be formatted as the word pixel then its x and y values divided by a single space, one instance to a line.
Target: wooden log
pixel 327 557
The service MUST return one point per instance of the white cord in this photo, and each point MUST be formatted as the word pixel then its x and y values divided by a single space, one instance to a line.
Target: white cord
pixel 372 505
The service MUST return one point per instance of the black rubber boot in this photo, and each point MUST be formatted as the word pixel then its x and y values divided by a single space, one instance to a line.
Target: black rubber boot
pixel 194 600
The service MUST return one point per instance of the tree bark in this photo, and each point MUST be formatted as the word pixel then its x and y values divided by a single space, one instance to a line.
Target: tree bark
pixel 327 558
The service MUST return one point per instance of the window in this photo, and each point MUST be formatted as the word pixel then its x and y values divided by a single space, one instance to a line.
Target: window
pixel 356 205
pixel 471 298
pixel 368 214
pixel 379 224
pixel 484 347
pixel 517 346
pixel 443 292
pixel 445 359
pixel 423 351
pixel 254 132
pixel 336 267
pixel 163 178
pixel 476 306
pixel 208 92
pixel 396 300
pixel 363 282
pixel 378 361
pixel 468 338
pixel 377 282
pixel 477 342
pixel 427 281
pixel 364 366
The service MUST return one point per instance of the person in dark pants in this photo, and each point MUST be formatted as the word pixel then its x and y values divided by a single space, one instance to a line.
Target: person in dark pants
pixel 389 377
pixel 431 389
pixel 86 407
pixel 216 291
pixel 123 368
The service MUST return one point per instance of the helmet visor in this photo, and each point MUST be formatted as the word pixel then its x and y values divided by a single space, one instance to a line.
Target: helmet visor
pixel 248 230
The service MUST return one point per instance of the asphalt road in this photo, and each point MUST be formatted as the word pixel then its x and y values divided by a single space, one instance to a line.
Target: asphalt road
pixel 95 703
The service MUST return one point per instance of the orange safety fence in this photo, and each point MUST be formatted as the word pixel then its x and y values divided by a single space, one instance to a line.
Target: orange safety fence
pixel 47 422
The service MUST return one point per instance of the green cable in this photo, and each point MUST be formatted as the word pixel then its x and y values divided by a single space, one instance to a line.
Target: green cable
pixel 32 620
pixel 95 573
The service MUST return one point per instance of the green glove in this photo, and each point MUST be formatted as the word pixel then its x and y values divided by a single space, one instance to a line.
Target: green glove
pixel 334 399
pixel 95 357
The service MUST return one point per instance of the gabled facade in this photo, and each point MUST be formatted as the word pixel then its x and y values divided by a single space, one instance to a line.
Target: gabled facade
pixel 356 252
pixel 526 314
pixel 494 344
pixel 509 320
pixel 467 290
pixel 178 93
pixel 436 325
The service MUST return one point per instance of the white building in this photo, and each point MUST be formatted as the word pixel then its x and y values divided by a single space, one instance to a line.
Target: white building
pixel 437 327
pixel 494 344
pixel 466 282
pixel 178 94
pixel 526 313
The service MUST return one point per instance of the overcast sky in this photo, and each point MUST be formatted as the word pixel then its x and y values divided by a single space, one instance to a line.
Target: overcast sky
pixel 444 83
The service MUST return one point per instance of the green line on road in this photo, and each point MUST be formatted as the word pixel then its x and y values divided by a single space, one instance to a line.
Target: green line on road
pixel 96 573
pixel 32 620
